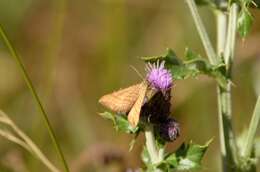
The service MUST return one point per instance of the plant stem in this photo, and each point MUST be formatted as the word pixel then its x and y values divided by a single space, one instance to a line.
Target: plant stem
pixel 155 154
pixel 14 139
pixel 231 36
pixel 151 144
pixel 35 96
pixel 252 130
pixel 221 32
pixel 221 40
pixel 228 144
pixel 202 32
pixel 161 154
pixel 227 138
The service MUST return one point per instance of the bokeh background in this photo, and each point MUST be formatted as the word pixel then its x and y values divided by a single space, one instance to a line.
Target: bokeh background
pixel 76 50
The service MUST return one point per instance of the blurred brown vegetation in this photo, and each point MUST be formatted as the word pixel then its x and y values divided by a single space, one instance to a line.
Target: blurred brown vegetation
pixel 77 50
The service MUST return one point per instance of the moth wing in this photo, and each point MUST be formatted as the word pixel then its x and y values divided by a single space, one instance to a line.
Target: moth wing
pixel 123 100
pixel 134 114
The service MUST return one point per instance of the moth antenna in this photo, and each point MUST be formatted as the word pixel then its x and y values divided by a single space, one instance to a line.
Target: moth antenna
pixel 138 73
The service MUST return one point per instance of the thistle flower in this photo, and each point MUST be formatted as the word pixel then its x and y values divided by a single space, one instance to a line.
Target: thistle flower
pixel 159 77
pixel 169 130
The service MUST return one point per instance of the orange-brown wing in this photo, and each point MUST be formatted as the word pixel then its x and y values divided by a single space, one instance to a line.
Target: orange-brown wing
pixel 121 101
pixel 134 114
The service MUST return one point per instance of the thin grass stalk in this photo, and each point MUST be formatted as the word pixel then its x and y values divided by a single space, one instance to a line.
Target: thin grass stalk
pixel 254 123
pixel 35 96
pixel 24 141
pixel 34 149
pixel 12 138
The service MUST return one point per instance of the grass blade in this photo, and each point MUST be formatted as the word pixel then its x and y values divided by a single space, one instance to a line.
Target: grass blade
pixel 35 96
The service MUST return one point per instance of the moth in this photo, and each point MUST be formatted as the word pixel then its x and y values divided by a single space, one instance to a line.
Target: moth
pixel 129 100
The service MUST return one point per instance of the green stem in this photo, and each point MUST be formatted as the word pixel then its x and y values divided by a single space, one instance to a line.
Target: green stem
pixel 227 138
pixel 35 96
pixel 228 144
pixel 202 32
pixel 252 130
pixel 155 154
pixel 161 153
pixel 151 145
pixel 221 32
pixel 221 40
pixel 231 36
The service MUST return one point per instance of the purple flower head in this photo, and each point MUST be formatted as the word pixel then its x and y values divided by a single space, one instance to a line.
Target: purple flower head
pixel 159 77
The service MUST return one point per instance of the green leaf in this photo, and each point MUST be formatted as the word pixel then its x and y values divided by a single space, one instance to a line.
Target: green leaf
pixel 108 116
pixel 180 72
pixel 195 152
pixel 190 55
pixel 172 160
pixel 120 122
pixel 186 164
pixel 123 125
pixel 196 63
pixel 170 58
pixel 187 157
pixel 244 22
pixel 192 66
pixel 218 72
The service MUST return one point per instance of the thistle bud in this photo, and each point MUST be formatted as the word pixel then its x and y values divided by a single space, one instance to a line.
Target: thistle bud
pixel 169 130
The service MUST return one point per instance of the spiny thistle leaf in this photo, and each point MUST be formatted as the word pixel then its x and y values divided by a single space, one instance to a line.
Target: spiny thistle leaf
pixel 120 122
pixel 170 58
pixel 192 66
pixel 187 157
pixel 245 21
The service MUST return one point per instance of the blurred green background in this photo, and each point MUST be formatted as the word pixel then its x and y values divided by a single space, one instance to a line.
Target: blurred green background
pixel 77 50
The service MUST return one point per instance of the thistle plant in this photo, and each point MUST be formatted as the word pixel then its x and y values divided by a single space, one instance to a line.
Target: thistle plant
pixel 154 118
pixel 156 121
